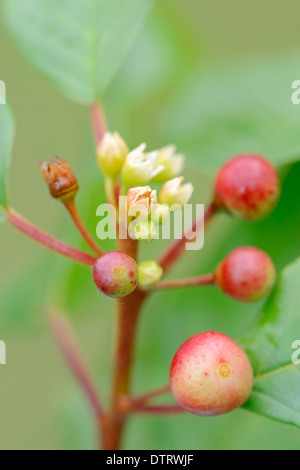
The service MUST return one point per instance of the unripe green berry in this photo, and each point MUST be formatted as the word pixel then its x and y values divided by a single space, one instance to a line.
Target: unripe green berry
pixel 211 375
pixel 150 273
pixel 115 274
pixel 247 274
pixel 247 186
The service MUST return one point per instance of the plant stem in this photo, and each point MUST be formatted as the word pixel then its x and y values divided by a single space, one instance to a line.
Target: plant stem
pixel 128 314
pixel 176 250
pixel 206 279
pixel 98 122
pixel 47 240
pixel 159 409
pixel 73 211
pixel 65 338
pixel 131 403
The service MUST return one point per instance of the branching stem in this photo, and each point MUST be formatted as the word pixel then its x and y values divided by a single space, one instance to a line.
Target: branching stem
pixel 47 240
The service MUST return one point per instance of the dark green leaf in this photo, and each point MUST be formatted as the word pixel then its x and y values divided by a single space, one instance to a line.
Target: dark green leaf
pixel 78 44
pixel 6 140
pixel 269 345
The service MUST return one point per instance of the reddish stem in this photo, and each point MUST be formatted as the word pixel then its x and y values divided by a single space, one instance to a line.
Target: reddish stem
pixel 47 240
pixel 133 402
pixel 68 345
pixel 159 409
pixel 128 315
pixel 98 122
pixel 73 211
pixel 176 250
pixel 204 280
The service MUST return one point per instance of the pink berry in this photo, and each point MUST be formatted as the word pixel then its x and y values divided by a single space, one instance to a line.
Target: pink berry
pixel 247 186
pixel 211 375
pixel 247 274
pixel 115 274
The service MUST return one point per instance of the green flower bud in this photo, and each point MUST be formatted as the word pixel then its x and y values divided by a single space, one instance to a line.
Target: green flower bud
pixel 150 273
pixel 111 154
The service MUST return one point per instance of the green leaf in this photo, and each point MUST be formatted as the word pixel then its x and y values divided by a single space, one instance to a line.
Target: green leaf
pixel 269 346
pixel 6 140
pixel 78 44
pixel 243 107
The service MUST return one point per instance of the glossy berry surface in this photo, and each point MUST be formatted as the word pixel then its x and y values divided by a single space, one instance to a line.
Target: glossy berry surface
pixel 211 375
pixel 115 274
pixel 247 274
pixel 247 186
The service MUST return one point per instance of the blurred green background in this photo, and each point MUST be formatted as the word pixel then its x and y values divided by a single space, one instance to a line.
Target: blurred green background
pixel 40 407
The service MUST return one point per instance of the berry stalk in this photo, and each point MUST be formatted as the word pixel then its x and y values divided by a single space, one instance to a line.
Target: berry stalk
pixel 47 240
pixel 73 211
pixel 204 280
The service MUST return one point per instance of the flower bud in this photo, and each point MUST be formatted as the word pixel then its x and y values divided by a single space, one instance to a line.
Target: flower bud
pixel 111 154
pixel 144 230
pixel 140 201
pixel 140 167
pixel 60 179
pixel 160 214
pixel 174 193
pixel 150 273
pixel 173 164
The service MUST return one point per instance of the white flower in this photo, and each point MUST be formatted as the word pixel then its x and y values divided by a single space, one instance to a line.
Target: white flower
pixel 175 194
pixel 111 154
pixel 173 163
pixel 140 167
pixel 140 201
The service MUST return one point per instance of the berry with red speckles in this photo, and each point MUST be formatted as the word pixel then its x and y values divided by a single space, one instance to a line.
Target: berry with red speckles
pixel 115 274
pixel 247 274
pixel 211 375
pixel 247 186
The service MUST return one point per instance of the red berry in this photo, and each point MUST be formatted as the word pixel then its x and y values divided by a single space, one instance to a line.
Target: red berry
pixel 247 274
pixel 247 186
pixel 211 375
pixel 115 274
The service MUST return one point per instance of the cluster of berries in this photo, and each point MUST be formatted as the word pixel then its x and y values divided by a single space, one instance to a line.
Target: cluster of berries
pixel 210 373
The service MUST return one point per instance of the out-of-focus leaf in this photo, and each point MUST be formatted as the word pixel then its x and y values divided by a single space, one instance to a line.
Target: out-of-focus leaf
pixel 269 345
pixel 6 140
pixel 238 108
pixel 78 44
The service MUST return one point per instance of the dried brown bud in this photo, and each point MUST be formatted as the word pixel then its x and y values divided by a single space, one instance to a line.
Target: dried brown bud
pixel 60 179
